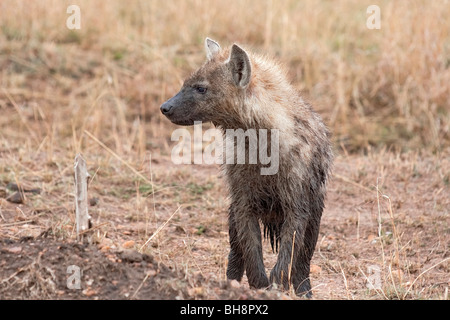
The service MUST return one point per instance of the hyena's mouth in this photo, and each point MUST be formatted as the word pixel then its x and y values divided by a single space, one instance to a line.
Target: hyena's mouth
pixel 182 122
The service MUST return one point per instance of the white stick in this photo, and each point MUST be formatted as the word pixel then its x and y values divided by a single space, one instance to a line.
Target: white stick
pixel 81 197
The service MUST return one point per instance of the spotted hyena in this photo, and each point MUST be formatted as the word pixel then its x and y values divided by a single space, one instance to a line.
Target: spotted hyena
pixel 236 89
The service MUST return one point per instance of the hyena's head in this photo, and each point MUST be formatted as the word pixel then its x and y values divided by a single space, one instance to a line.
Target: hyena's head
pixel 209 93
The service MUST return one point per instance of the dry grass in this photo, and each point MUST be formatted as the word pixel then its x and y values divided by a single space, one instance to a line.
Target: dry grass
pixel 386 86
pixel 97 90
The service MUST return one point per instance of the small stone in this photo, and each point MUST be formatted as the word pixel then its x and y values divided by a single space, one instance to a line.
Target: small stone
pixel 130 256
pixel 128 244
pixel 14 249
pixel 16 197
pixel 196 291
pixel 235 284
pixel 151 273
pixel 89 292
pixel 315 269
pixel 105 248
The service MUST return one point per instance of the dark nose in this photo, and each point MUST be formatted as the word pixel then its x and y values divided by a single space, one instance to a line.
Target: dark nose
pixel 165 108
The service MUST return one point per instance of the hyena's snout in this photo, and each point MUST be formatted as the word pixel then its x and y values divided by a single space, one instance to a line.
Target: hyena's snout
pixel 176 109
pixel 167 108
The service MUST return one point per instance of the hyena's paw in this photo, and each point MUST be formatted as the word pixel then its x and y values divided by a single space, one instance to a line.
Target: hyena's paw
pixel 259 281
pixel 234 272
pixel 280 276
pixel 303 289
pixel 236 266
pixel 301 285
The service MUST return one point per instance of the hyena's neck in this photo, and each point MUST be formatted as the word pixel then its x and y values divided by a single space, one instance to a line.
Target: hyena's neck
pixel 258 110
pixel 268 102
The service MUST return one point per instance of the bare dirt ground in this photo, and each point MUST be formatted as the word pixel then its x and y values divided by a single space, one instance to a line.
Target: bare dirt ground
pixel 387 245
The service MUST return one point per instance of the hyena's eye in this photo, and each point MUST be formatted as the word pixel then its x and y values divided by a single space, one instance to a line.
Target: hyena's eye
pixel 201 90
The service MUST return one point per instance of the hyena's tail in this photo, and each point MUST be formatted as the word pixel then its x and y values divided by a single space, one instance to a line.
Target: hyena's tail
pixel 272 232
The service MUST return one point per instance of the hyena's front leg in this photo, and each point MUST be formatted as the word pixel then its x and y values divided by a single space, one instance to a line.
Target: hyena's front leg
pixel 236 265
pixel 301 282
pixel 246 250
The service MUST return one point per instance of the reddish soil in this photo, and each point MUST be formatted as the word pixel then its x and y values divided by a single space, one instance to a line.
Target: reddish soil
pixel 399 237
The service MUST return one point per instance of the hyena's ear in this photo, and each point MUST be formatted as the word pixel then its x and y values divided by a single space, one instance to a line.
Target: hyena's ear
pixel 239 64
pixel 212 48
